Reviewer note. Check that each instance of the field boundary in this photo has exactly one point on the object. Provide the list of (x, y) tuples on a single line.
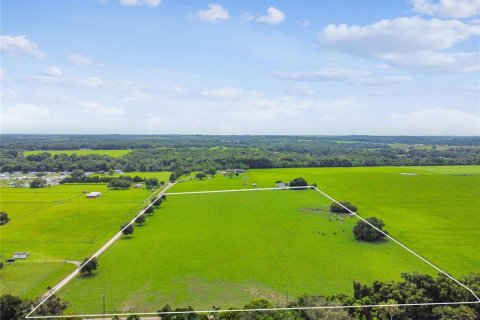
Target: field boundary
[(117, 236), (352, 213)]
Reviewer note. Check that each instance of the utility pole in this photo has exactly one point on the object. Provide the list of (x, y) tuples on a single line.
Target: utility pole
[(103, 298)]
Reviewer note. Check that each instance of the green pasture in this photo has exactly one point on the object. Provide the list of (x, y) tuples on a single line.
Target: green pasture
[(224, 249), (112, 153), (55, 224), (433, 210)]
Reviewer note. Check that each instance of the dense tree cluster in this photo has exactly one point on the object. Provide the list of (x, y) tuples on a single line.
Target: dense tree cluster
[(342, 207), (119, 183), (183, 154), (365, 231), (13, 307), (298, 182), (38, 183)]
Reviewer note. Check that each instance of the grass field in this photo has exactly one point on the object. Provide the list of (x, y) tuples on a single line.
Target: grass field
[(54, 224), (224, 249), (436, 211), (112, 153)]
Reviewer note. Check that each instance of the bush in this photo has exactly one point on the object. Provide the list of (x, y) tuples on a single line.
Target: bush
[(336, 208), (364, 231), (4, 218), (38, 183), (298, 182), (127, 229)]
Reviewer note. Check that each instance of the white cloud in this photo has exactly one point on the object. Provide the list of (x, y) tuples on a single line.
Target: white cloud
[(88, 82), (23, 117), (52, 71), (400, 35), (436, 121), (98, 108), (274, 16), (20, 45), (352, 76), (228, 93), (448, 8), (79, 60), (410, 42), (298, 90), (322, 75), (147, 3), (215, 12)]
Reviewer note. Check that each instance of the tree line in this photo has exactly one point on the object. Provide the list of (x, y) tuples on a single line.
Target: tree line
[(412, 288)]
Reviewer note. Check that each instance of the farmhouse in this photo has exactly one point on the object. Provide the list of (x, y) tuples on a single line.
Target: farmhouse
[(20, 255), (138, 185), (93, 194)]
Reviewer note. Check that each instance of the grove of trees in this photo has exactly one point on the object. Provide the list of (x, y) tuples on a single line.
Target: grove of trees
[(298, 182), (119, 183), (365, 231), (38, 183), (340, 208)]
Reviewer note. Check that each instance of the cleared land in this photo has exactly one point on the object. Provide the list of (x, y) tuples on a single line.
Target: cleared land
[(112, 153), (224, 249), (435, 211), (54, 224)]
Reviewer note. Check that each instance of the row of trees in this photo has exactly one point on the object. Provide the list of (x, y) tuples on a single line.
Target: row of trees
[(90, 264), (413, 288)]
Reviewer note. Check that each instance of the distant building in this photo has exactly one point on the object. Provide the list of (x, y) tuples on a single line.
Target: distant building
[(138, 185), (93, 194), (20, 255)]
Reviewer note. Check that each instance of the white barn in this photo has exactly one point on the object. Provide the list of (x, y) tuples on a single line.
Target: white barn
[(93, 194), (20, 255)]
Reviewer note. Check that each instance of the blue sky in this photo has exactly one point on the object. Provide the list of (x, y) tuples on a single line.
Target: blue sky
[(407, 67)]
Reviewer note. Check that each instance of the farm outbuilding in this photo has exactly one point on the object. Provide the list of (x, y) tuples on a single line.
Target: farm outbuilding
[(93, 194), (20, 255)]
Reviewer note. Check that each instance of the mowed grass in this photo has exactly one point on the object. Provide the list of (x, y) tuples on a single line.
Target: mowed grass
[(112, 153), (435, 211), (224, 249), (54, 224)]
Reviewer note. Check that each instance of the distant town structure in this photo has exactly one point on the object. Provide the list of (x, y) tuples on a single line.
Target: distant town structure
[(138, 185), (93, 194), (20, 255)]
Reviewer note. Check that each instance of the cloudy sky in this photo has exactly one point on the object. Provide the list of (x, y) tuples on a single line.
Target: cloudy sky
[(407, 67)]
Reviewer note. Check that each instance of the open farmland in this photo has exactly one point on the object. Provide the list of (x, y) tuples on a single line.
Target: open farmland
[(54, 224), (225, 248), (112, 153), (433, 210)]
